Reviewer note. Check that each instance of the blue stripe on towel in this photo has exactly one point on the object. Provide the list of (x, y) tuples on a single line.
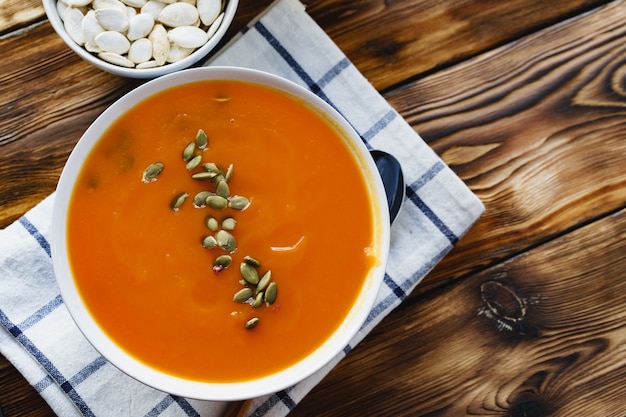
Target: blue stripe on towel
[(44, 383), (167, 401), (160, 407), (432, 216), (185, 406), (30, 228), (49, 367), (281, 396), (428, 175), (333, 72), (380, 125), (289, 59), (40, 314)]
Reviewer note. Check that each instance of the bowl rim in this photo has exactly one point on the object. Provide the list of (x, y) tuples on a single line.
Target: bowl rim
[(221, 391), (199, 54)]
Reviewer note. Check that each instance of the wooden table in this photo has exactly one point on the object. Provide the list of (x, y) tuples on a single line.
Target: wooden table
[(525, 100)]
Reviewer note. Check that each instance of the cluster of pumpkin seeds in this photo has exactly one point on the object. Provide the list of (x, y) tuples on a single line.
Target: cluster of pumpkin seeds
[(256, 290)]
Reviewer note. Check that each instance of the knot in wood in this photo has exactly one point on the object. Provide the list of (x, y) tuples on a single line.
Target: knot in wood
[(502, 301)]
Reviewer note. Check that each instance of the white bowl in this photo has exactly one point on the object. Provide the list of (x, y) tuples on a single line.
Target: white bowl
[(57, 24), (201, 390)]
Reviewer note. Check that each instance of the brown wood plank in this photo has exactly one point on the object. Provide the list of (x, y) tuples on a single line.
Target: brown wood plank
[(17, 397), (393, 41), (554, 113), (18, 13), (542, 334), (536, 129)]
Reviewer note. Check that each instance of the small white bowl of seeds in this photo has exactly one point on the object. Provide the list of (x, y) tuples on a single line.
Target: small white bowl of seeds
[(141, 38)]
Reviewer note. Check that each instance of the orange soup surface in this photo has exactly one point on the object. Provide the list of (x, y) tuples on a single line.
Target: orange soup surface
[(140, 265)]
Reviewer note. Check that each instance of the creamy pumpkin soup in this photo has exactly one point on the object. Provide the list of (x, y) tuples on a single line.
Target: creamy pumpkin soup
[(220, 231)]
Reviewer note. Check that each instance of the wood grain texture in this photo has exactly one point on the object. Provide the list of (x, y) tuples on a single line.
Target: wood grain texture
[(15, 14), (17, 397), (525, 100), (393, 41), (550, 342), (536, 129)]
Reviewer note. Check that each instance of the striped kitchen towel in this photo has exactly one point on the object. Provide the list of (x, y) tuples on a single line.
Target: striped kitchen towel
[(37, 334)]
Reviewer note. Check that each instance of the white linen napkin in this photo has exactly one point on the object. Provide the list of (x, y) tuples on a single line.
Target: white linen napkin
[(39, 337)]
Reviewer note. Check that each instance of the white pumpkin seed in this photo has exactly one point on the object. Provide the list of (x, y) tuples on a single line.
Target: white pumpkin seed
[(188, 36), (91, 27), (77, 3), (160, 44), (108, 4), (61, 8), (112, 19), (92, 47), (130, 12), (209, 10), (116, 59), (153, 8), (178, 14), (140, 51), (148, 64), (112, 41), (177, 53), (74, 25), (140, 26), (215, 26), (135, 3)]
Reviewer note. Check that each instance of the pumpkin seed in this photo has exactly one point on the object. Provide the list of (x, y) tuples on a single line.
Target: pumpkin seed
[(194, 162), (249, 273), (239, 203), (209, 242), (258, 301), (250, 260), (178, 201), (216, 202), (229, 223), (264, 281), (152, 171), (223, 261), (203, 176), (199, 199), (188, 151), (219, 177), (270, 293), (226, 241), (251, 323), (229, 173), (242, 295), (212, 167), (223, 190), (211, 223), (202, 139)]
